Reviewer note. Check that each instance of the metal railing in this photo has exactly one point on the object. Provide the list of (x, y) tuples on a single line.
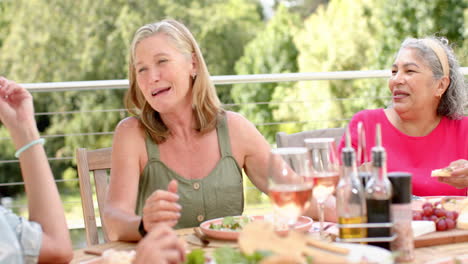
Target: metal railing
[(218, 80)]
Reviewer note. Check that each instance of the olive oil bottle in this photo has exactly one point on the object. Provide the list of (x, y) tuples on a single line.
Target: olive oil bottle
[(350, 198)]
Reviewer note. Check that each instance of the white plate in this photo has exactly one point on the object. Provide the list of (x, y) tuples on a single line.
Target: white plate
[(359, 252), (373, 254), (303, 224)]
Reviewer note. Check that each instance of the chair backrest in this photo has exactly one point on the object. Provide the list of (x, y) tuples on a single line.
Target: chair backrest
[(99, 163), (297, 139)]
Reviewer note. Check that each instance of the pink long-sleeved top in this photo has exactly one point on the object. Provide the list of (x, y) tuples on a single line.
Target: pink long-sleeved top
[(418, 155)]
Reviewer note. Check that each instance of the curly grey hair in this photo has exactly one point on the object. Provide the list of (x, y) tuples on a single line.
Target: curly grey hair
[(454, 100)]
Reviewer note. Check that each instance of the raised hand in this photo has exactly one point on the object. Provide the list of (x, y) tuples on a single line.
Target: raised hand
[(162, 207), (17, 112)]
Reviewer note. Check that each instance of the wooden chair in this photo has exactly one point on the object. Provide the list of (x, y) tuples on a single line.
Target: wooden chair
[(297, 139), (98, 162)]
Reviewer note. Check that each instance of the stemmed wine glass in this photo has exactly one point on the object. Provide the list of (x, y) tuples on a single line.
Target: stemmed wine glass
[(324, 171), (289, 184)]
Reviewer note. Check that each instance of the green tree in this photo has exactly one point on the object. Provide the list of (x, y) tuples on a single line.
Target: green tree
[(303, 7), (53, 40), (335, 38), (272, 51), (391, 22), (5, 18)]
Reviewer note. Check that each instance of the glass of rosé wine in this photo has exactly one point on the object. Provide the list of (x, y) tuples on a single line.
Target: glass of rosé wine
[(289, 185), (324, 171)]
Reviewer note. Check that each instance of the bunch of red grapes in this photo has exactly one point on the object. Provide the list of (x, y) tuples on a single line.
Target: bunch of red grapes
[(444, 219)]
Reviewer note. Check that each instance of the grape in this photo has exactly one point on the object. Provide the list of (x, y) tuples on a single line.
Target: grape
[(427, 204), (450, 223), (455, 215), (441, 225), (427, 211), (450, 215), (417, 215), (439, 212), (444, 219)]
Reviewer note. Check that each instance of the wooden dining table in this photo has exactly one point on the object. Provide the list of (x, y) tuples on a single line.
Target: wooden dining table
[(423, 253)]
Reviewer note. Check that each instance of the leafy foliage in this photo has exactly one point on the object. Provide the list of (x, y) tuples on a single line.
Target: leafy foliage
[(335, 38), (272, 51), (54, 40)]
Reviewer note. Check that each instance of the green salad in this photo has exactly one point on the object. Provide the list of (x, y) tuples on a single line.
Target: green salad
[(232, 223), (227, 255)]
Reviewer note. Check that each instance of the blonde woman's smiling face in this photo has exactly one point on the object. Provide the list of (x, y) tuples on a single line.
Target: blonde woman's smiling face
[(163, 73), (412, 84)]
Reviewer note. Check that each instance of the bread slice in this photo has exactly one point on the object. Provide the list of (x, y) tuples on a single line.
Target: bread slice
[(445, 172)]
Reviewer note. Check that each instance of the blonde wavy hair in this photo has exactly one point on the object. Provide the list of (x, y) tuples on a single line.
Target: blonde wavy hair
[(205, 102)]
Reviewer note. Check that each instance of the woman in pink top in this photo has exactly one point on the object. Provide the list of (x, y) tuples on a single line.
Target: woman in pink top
[(425, 128)]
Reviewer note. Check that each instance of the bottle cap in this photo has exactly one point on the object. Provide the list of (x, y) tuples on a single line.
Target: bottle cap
[(379, 155), (401, 183), (347, 153)]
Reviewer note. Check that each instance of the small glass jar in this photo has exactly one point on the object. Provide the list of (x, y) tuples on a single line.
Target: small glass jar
[(403, 244)]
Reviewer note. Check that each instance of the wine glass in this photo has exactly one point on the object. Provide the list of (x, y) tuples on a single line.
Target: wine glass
[(289, 184), (324, 171)]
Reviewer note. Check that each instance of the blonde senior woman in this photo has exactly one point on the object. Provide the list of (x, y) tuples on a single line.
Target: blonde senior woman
[(178, 160)]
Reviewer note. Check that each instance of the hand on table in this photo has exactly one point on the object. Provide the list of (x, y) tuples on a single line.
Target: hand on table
[(459, 176), (162, 207), (161, 245)]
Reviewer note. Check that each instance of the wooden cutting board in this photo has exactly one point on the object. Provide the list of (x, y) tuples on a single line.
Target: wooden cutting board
[(441, 238)]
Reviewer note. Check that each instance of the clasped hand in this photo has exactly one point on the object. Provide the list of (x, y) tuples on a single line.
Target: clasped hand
[(161, 207)]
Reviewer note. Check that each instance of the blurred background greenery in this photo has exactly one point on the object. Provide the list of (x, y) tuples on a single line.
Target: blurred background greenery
[(58, 41)]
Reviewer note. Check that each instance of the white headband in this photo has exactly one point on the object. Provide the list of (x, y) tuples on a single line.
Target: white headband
[(440, 53)]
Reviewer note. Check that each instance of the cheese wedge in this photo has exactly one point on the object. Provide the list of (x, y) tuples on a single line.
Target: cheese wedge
[(445, 172), (462, 221), (422, 227)]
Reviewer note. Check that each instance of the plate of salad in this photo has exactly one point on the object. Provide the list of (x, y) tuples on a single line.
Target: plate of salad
[(229, 228)]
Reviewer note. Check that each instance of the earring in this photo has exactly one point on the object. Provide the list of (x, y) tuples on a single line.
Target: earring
[(194, 75)]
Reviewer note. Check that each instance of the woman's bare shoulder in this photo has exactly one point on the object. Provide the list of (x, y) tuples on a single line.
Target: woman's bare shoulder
[(241, 129), (127, 122), (130, 125), (236, 120)]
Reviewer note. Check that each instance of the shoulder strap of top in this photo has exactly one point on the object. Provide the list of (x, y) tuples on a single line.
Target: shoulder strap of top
[(151, 148), (223, 136)]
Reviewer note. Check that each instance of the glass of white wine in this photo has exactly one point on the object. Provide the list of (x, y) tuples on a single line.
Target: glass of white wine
[(324, 171), (289, 185)]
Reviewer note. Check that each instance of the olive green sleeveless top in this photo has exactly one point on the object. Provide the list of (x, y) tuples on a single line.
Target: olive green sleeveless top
[(218, 194)]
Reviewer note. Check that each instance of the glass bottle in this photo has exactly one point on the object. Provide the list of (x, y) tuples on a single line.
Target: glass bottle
[(402, 214), (379, 194), (350, 198)]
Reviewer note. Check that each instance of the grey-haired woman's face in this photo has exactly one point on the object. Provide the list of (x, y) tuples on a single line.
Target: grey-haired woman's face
[(412, 84)]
